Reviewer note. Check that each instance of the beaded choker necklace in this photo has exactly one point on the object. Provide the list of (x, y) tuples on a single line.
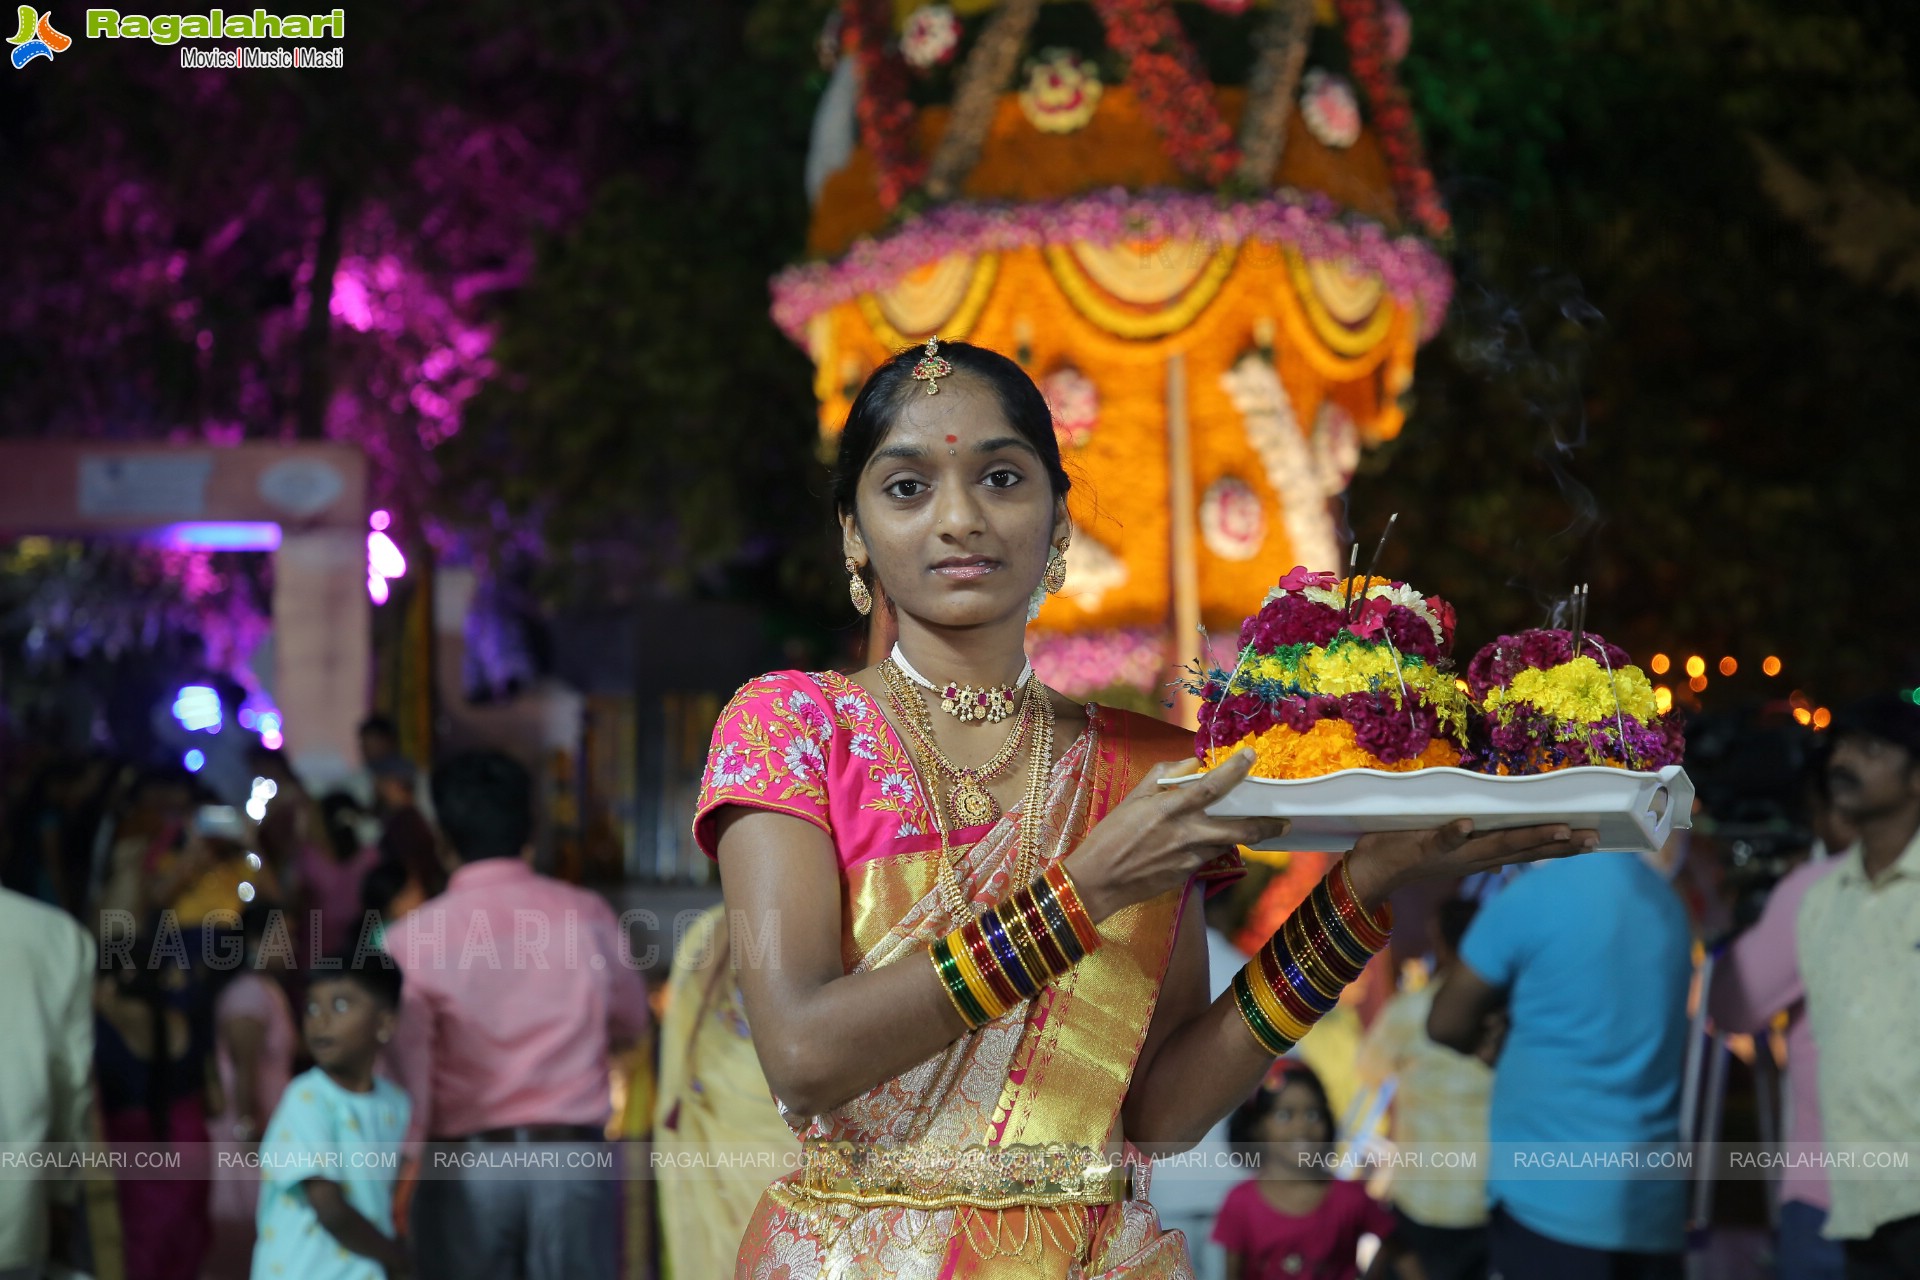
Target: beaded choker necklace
[(991, 703)]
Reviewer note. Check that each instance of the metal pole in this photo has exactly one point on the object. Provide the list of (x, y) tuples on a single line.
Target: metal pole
[(1183, 515)]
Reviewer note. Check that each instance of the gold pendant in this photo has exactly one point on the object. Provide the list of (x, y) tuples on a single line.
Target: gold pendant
[(966, 703), (973, 804)]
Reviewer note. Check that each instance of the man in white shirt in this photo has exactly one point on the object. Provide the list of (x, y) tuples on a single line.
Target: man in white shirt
[(46, 1011)]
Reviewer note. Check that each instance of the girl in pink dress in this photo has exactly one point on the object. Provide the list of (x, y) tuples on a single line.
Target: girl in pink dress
[(1294, 1220)]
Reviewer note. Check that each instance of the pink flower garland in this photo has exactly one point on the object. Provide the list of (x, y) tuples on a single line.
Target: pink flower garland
[(1174, 92), (1080, 663), (1368, 41), (1314, 224)]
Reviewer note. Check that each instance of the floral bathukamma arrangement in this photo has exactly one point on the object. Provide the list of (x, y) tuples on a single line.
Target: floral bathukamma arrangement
[(1336, 674), (1541, 707)]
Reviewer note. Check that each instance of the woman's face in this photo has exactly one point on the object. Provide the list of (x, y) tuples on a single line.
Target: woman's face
[(955, 513)]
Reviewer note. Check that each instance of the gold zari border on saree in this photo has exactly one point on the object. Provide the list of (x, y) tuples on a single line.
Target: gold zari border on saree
[(980, 1177)]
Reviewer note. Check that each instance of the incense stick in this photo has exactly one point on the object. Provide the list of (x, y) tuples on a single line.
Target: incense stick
[(1366, 583), (1353, 562)]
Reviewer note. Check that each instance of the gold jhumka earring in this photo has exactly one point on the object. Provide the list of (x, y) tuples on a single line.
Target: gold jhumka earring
[(857, 589)]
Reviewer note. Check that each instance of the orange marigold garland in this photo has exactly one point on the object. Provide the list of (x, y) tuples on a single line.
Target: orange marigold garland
[(1173, 91)]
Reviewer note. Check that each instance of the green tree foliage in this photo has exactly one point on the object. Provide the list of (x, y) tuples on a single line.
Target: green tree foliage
[(1653, 379)]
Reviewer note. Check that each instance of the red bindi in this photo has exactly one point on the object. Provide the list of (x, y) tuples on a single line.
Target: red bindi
[(953, 439)]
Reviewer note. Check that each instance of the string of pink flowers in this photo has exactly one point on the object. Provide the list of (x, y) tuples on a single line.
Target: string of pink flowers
[(1312, 224)]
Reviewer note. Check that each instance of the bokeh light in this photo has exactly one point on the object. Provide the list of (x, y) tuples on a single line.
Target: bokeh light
[(1728, 665), (1696, 666), (1659, 664), (1771, 666)]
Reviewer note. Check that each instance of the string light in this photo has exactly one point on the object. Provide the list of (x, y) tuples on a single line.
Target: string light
[(1822, 718), (1771, 666), (1728, 666), (1802, 715), (1696, 666), (1659, 664), (1662, 699), (1698, 684)]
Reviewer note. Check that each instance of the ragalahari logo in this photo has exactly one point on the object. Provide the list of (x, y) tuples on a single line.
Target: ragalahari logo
[(37, 38)]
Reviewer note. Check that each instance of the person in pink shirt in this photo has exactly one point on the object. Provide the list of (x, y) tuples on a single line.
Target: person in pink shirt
[(1755, 979), (518, 989)]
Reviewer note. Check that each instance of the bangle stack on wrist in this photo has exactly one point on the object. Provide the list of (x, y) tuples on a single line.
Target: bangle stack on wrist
[(1298, 976), (1007, 954)]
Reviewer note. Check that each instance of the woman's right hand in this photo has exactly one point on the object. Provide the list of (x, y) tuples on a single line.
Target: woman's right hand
[(1156, 838)]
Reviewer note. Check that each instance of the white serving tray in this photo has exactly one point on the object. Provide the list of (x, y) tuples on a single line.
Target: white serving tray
[(1633, 812)]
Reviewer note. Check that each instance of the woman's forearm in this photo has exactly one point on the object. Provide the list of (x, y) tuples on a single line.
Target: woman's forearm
[(1206, 1068), (826, 1044)]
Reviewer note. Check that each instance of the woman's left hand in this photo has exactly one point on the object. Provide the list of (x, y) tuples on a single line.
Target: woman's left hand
[(1384, 861)]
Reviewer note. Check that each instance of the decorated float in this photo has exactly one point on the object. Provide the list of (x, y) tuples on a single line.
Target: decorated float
[(1205, 229)]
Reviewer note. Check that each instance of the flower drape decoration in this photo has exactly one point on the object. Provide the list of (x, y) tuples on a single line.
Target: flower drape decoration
[(1399, 31), (1329, 109), (1367, 47), (930, 37), (1062, 91), (1082, 663), (1174, 92), (1298, 475), (1075, 402), (1410, 269), (886, 113), (1231, 520)]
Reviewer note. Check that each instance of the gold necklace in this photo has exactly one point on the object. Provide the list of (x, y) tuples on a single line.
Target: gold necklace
[(1039, 766), (973, 805)]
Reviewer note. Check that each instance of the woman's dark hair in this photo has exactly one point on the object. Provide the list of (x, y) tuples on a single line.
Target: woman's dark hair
[(889, 387), (1243, 1126)]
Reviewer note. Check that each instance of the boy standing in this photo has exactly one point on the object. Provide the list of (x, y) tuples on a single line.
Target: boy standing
[(332, 1150)]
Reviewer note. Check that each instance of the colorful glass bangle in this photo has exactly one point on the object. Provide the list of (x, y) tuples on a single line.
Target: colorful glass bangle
[(1056, 917), (1008, 955), (977, 983), (1289, 1000), (1033, 919), (948, 969), (1373, 931), (1264, 1033), (1069, 898), (1284, 996), (980, 951), (1013, 918), (1327, 920), (1325, 954), (1289, 1019), (1284, 971), (1317, 955)]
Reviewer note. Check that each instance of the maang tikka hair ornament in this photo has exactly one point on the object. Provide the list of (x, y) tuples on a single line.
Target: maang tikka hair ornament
[(932, 366)]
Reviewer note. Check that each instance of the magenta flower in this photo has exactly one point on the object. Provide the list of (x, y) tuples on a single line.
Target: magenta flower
[(1299, 578)]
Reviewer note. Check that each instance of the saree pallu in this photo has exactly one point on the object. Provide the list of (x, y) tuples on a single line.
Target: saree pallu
[(1002, 1154)]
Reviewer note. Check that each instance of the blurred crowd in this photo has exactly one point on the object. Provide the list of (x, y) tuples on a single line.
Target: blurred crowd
[(1564, 1005)]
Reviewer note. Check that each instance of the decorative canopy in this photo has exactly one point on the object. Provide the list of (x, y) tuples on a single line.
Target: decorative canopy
[(1205, 230)]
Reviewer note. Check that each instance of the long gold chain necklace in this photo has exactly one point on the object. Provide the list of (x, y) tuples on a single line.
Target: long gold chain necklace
[(919, 723), (973, 805)]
